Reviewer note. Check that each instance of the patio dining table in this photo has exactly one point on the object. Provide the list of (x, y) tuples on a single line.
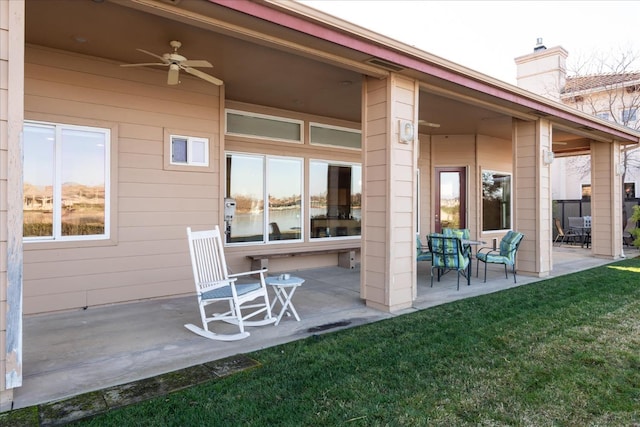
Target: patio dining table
[(469, 243)]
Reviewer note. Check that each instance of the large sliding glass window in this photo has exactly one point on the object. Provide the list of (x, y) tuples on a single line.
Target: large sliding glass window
[(335, 199), (66, 177), (496, 201), (255, 180)]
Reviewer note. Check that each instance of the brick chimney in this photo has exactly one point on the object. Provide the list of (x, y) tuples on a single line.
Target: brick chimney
[(544, 71)]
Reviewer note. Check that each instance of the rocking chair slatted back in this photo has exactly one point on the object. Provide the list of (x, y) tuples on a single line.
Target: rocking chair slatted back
[(209, 264)]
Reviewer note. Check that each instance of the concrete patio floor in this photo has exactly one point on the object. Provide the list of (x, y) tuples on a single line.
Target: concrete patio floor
[(71, 353)]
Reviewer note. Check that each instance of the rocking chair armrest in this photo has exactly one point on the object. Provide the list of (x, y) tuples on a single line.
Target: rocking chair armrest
[(207, 286), (229, 281), (248, 273)]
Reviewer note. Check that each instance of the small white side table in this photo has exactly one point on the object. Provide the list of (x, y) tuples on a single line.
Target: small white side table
[(284, 289)]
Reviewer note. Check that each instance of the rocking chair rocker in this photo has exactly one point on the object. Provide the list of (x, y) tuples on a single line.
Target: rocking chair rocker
[(215, 285)]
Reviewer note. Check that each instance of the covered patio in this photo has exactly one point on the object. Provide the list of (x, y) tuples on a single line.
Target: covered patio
[(71, 353), (293, 98)]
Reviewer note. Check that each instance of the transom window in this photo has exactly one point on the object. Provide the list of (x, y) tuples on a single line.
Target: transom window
[(496, 201), (263, 126), (334, 136), (66, 182), (256, 181)]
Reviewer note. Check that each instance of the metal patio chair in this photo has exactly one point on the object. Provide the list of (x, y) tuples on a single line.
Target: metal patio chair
[(448, 254), (505, 255), (215, 285), (564, 236)]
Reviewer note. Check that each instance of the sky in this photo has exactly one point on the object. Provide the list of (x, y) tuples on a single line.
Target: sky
[(488, 35)]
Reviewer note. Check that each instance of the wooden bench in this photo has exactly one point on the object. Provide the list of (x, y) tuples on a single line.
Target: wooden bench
[(346, 256)]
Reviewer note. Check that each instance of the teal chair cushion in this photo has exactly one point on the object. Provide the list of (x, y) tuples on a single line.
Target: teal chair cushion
[(447, 252), (508, 247), (461, 233)]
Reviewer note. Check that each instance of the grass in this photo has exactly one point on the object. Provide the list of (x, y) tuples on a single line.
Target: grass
[(560, 352)]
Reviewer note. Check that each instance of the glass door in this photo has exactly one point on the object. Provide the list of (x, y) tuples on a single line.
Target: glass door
[(450, 204)]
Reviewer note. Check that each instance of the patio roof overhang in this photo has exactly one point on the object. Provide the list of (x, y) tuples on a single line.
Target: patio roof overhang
[(289, 56)]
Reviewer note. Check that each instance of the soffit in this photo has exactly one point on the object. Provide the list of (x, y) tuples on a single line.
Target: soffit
[(260, 62)]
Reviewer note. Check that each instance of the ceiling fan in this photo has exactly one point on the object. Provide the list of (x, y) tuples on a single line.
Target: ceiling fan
[(177, 62)]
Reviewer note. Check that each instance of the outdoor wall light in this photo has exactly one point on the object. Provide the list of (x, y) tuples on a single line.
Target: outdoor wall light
[(405, 131), (547, 157)]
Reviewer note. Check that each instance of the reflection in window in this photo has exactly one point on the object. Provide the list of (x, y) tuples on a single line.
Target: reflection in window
[(450, 200), (586, 192), (496, 201), (629, 190), (246, 178), (629, 115), (65, 175), (335, 199)]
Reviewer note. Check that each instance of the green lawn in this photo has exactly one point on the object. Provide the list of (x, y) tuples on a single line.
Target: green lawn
[(561, 352)]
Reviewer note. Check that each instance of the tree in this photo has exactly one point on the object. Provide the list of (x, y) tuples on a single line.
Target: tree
[(607, 86)]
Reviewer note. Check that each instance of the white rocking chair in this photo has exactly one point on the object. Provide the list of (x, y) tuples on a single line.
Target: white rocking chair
[(214, 285)]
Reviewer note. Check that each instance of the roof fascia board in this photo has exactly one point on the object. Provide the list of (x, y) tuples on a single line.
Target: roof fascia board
[(306, 20)]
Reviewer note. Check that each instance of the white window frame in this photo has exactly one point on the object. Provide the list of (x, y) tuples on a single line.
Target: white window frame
[(510, 227), (300, 123), (331, 163), (265, 192), (191, 142), (57, 185)]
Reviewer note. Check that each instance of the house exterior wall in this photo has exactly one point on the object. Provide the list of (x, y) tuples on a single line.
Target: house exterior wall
[(147, 254), (11, 113), (544, 72), (493, 154), (388, 273), (457, 151), (566, 172)]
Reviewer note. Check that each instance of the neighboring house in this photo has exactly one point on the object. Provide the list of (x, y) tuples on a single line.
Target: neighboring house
[(325, 134), (608, 96)]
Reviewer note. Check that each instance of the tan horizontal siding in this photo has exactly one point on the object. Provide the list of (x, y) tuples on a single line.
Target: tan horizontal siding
[(148, 254), (125, 279)]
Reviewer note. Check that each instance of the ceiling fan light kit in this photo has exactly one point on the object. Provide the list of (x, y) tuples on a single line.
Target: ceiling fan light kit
[(176, 62)]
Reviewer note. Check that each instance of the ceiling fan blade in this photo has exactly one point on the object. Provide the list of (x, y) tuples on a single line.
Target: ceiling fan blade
[(196, 63), (174, 72), (153, 54), (203, 76), (143, 65)]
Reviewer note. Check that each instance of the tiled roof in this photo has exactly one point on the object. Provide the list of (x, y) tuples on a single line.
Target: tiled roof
[(593, 81)]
